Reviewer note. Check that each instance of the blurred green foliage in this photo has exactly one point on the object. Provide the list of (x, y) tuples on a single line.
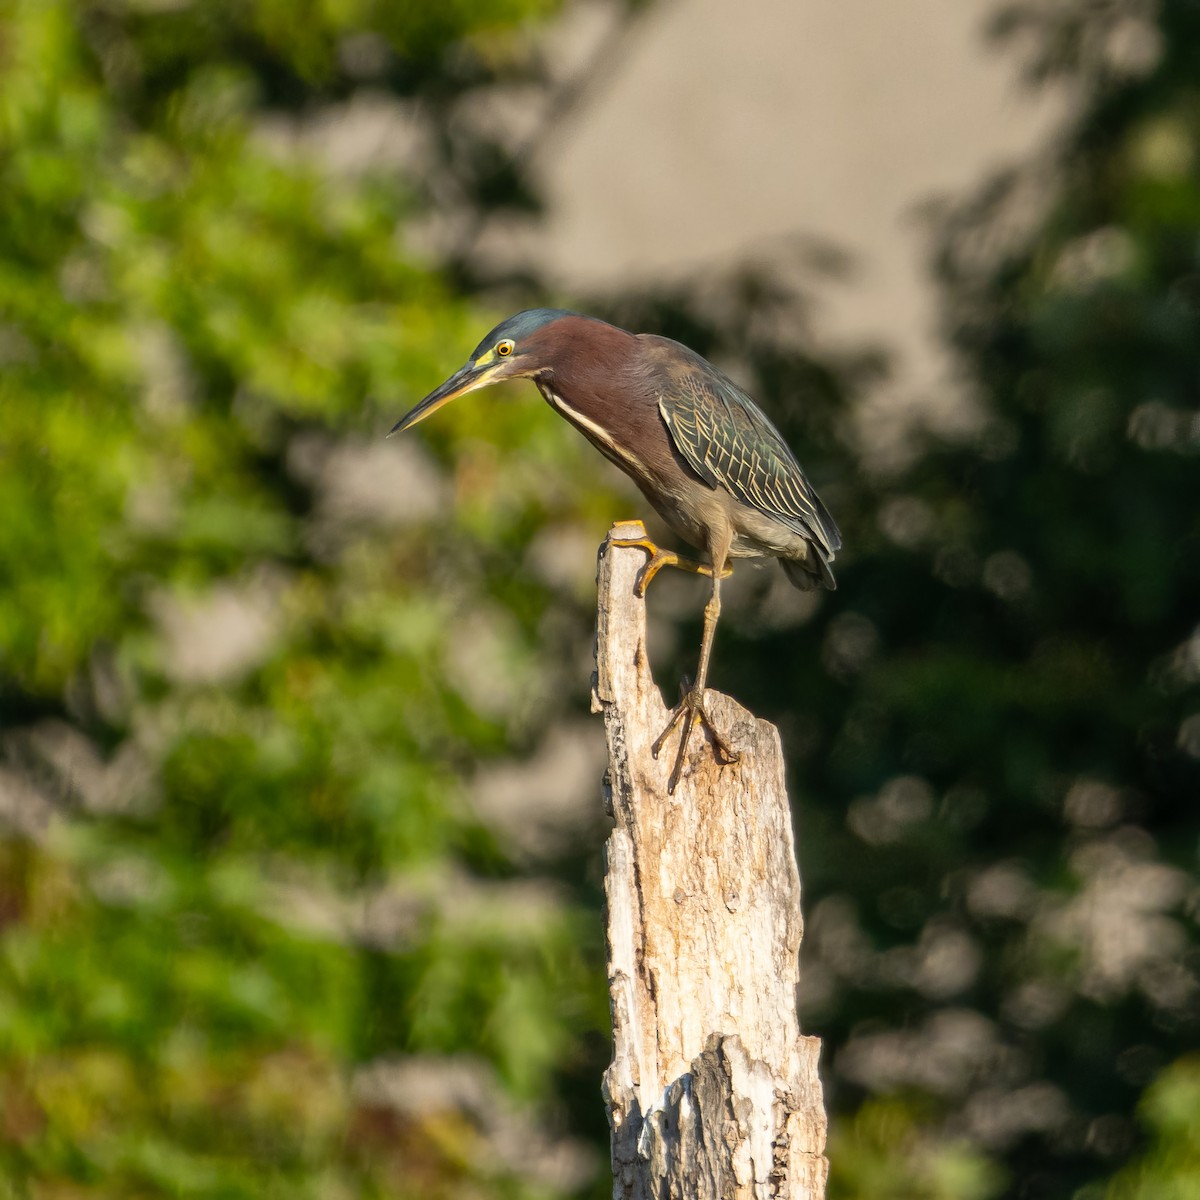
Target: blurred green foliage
[(259, 935), (993, 726), (1008, 920), (885, 1150), (1170, 1167), (184, 304)]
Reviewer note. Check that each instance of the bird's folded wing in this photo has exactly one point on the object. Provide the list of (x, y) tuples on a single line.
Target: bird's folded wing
[(731, 443)]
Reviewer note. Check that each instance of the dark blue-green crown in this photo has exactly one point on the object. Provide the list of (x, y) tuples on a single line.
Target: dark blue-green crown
[(520, 326)]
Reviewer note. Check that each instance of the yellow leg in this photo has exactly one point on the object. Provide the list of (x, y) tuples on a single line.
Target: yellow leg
[(690, 708), (660, 558)]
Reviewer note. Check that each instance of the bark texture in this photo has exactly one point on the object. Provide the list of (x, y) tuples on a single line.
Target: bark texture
[(712, 1091)]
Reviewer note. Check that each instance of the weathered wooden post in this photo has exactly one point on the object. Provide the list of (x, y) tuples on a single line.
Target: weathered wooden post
[(712, 1091)]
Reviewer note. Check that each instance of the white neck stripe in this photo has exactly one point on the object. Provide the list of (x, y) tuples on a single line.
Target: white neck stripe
[(598, 432)]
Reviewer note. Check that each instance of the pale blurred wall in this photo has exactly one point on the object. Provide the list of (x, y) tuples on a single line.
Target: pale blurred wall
[(720, 127)]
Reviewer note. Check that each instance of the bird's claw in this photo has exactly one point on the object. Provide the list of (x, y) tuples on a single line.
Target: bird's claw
[(690, 710), (660, 558)]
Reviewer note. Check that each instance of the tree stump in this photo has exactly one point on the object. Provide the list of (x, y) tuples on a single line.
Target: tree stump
[(712, 1091)]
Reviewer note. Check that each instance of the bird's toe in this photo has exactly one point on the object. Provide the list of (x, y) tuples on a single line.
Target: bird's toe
[(691, 712)]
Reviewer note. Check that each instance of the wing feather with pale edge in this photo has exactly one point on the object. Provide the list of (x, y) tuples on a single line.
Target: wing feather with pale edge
[(731, 443)]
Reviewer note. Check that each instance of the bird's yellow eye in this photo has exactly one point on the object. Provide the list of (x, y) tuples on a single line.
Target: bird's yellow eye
[(504, 348)]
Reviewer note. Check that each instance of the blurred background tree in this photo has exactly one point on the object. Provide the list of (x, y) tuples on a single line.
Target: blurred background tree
[(255, 940), (298, 891)]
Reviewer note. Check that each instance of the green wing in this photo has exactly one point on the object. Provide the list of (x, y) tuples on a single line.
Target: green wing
[(730, 442)]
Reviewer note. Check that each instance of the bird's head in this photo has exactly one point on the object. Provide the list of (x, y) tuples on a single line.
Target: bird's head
[(515, 349)]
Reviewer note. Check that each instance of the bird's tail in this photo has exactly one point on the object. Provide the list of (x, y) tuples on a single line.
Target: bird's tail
[(811, 572)]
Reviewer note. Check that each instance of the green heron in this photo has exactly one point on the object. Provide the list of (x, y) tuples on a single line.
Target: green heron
[(699, 449)]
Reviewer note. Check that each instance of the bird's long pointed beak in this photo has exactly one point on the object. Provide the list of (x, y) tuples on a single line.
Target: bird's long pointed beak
[(467, 379)]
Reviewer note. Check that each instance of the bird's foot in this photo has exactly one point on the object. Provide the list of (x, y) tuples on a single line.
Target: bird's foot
[(690, 710), (660, 558)]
